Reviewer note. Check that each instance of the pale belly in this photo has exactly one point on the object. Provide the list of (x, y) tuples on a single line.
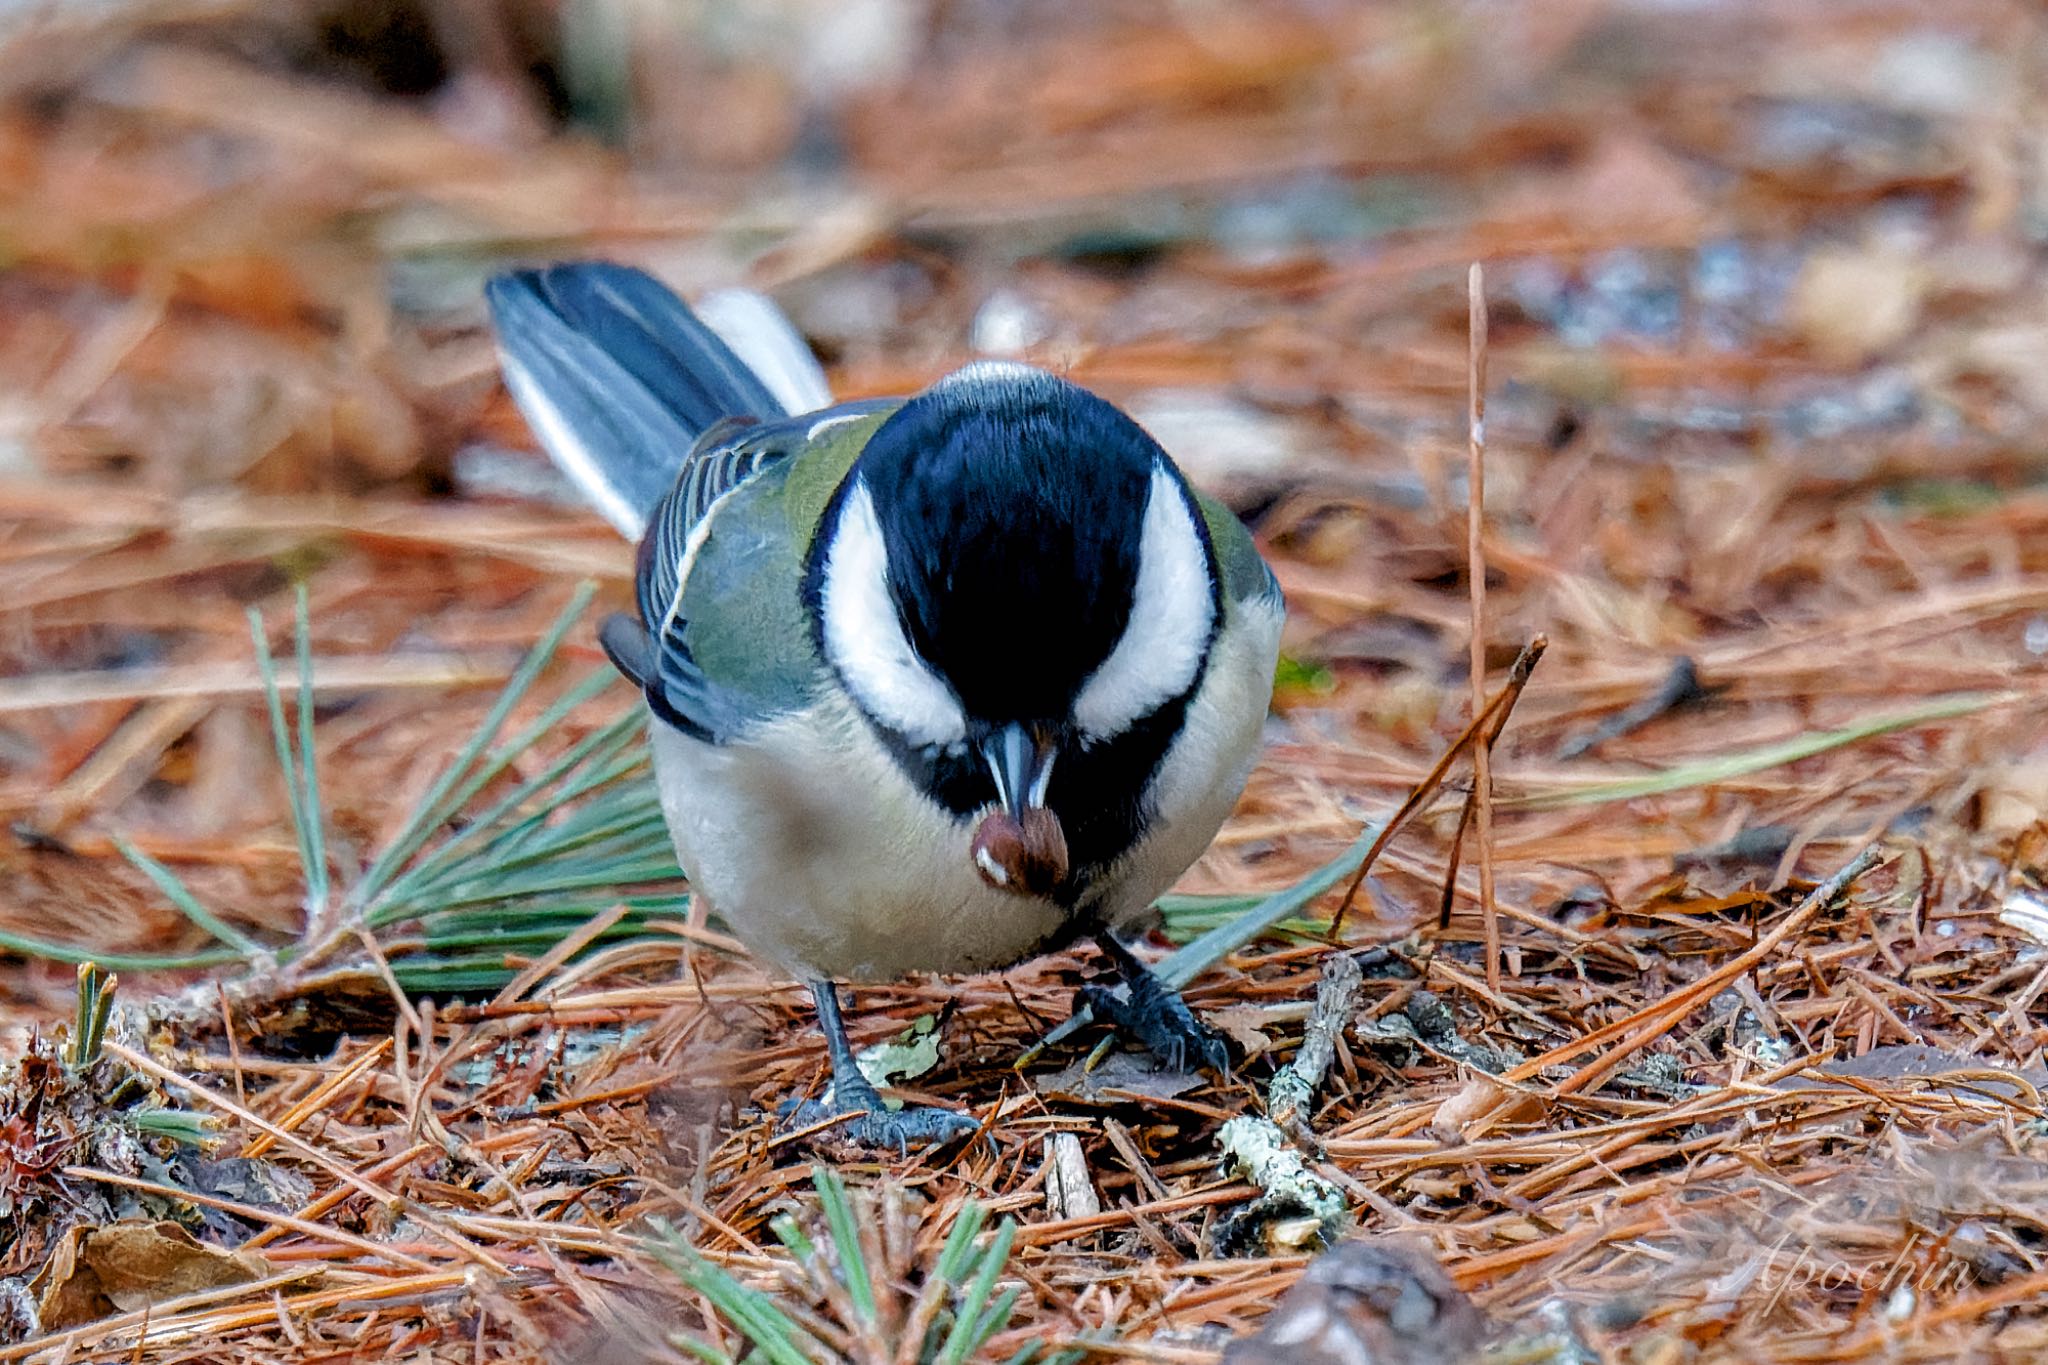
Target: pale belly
[(856, 876)]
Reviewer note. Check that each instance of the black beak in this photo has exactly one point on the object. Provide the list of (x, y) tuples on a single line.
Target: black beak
[(1019, 847), (1021, 758)]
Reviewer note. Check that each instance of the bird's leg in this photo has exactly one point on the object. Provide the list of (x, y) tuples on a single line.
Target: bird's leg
[(1153, 1013), (852, 1092)]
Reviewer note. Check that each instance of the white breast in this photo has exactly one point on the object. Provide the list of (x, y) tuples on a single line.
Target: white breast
[(811, 845), (1205, 770), (821, 856)]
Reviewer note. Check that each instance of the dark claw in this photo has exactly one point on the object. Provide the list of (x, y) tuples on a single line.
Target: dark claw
[(899, 1128), (1158, 1018), (877, 1124), (881, 1126), (1154, 1014)]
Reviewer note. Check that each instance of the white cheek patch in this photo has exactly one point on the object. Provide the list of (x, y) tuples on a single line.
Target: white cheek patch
[(865, 639), (1172, 610)]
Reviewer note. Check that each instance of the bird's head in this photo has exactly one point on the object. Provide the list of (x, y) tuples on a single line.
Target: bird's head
[(1017, 589)]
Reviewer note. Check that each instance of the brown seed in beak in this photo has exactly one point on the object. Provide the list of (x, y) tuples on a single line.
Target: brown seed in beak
[(1027, 857)]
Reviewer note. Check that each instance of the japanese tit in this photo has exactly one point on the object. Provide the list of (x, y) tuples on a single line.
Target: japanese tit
[(938, 684)]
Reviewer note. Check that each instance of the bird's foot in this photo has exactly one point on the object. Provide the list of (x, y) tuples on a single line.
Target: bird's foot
[(1154, 1014), (867, 1122)]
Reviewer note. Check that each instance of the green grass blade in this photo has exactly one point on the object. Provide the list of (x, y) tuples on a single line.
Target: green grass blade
[(435, 807), (313, 831), (178, 894), (1725, 767)]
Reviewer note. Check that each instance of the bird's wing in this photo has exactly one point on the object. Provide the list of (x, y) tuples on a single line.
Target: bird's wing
[(662, 417), (724, 458), (720, 574), (1246, 576)]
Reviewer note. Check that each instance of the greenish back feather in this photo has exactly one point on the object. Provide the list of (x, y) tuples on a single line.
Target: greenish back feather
[(743, 609), (816, 475), (1246, 576)]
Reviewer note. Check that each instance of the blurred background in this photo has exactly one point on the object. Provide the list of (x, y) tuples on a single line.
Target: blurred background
[(1770, 356), (1769, 367)]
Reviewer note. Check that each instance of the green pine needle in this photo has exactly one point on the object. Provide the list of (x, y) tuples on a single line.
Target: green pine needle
[(752, 1312), (845, 1239), (49, 950), (305, 821), (971, 1327), (469, 889), (791, 1234), (1719, 768), (190, 906), (699, 1350), (313, 830), (182, 1126), (89, 1022), (956, 1260), (962, 1279), (443, 801)]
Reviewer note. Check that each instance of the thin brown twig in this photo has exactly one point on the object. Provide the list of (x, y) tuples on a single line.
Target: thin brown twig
[(1814, 590), (319, 1231), (1640, 1028), (317, 1097), (1475, 573), (339, 1170), (1503, 702)]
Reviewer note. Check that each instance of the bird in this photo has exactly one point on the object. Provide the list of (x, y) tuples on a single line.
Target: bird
[(936, 684)]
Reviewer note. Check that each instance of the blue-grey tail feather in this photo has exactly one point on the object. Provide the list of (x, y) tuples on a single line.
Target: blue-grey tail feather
[(763, 336), (618, 378)]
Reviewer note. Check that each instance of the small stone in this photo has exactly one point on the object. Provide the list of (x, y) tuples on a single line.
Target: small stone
[(1385, 1300), (1008, 324)]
